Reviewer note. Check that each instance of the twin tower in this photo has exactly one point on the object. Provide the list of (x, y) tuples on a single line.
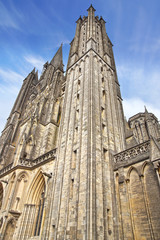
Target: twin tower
[(71, 166)]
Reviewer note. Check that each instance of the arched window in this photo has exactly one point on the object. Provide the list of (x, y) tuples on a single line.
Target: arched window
[(38, 221), (19, 193)]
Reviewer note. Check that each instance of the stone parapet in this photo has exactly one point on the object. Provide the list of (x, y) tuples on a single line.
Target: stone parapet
[(31, 164), (132, 155)]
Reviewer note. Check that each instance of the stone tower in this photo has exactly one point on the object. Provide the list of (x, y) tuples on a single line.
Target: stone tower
[(71, 166)]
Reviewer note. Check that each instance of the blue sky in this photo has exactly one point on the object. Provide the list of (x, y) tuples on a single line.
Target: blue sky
[(31, 32)]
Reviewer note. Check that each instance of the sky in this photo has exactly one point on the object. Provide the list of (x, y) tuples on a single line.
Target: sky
[(31, 32)]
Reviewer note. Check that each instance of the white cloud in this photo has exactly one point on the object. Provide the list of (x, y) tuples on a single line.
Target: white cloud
[(10, 76), (140, 81), (7, 19), (140, 87), (35, 61), (133, 106), (10, 83)]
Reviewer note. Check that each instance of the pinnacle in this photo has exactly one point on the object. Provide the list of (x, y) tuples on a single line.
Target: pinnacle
[(79, 19), (146, 111), (91, 7), (57, 60), (147, 116), (36, 76), (33, 71)]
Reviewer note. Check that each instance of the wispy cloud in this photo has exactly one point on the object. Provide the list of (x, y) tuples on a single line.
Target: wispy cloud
[(10, 83), (35, 61), (10, 76), (8, 17)]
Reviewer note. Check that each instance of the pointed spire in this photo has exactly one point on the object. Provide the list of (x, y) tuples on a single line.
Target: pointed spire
[(102, 20), (79, 19), (36, 76), (57, 60), (33, 71), (146, 113), (91, 8)]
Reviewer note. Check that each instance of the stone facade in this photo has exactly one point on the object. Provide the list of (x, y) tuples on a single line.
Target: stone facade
[(71, 166)]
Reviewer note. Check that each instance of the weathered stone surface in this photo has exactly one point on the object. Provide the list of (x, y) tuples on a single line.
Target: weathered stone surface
[(71, 166)]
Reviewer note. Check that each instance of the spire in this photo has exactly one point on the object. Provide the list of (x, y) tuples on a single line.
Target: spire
[(36, 76), (79, 19), (146, 113), (57, 60), (33, 71), (91, 8)]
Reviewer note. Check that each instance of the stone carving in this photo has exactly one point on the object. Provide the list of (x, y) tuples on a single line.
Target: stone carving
[(132, 152)]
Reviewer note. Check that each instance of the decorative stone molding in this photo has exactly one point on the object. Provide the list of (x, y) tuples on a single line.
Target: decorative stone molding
[(6, 169), (30, 163), (131, 153)]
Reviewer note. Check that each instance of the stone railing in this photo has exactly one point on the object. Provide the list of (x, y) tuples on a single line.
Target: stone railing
[(30, 163), (6, 169), (43, 158), (132, 152)]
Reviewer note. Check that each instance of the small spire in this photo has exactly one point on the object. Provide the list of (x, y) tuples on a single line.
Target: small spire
[(36, 76), (147, 116), (57, 60), (146, 111), (102, 20), (91, 7), (79, 19), (33, 71)]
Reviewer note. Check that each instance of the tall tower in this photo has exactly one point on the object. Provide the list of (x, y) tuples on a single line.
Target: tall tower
[(71, 166), (91, 131)]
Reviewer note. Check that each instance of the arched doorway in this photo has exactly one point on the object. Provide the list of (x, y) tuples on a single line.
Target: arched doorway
[(32, 216)]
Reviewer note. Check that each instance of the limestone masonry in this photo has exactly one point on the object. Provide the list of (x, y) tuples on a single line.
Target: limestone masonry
[(71, 166)]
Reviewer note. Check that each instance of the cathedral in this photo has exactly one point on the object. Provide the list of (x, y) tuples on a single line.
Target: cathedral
[(71, 166)]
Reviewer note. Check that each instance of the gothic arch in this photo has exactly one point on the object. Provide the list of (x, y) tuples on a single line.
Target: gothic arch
[(44, 110), (33, 209), (28, 147), (138, 205), (20, 191), (34, 187), (36, 197), (143, 167), (76, 71), (86, 57), (152, 195), (130, 170), (81, 62), (9, 230), (9, 189), (110, 72)]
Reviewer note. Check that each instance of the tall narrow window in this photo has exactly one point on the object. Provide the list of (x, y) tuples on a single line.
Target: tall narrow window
[(102, 81), (71, 188), (103, 113), (74, 157), (1, 195), (39, 215), (103, 96)]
